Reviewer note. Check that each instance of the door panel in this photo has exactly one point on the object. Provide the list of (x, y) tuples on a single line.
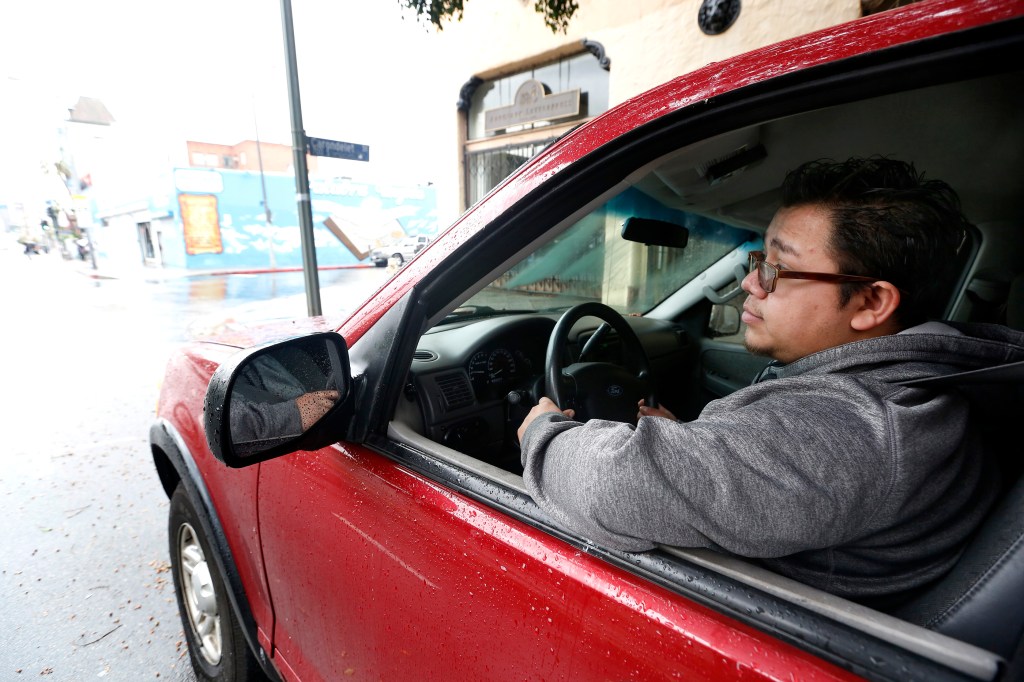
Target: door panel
[(379, 573)]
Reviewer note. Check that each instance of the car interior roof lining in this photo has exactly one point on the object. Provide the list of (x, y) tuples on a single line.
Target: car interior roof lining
[(890, 125)]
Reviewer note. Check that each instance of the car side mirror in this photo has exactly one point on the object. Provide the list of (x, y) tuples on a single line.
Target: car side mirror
[(724, 320), (279, 398)]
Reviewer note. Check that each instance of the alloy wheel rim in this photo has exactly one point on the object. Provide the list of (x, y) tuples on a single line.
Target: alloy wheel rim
[(199, 594)]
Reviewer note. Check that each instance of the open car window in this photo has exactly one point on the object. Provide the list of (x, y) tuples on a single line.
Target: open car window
[(723, 189)]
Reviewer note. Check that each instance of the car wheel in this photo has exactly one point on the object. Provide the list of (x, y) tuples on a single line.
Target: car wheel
[(216, 644), (398, 256)]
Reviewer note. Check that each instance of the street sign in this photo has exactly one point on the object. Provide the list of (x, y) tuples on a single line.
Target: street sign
[(338, 150)]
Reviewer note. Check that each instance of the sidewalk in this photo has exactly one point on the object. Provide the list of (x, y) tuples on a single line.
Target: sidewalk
[(13, 252)]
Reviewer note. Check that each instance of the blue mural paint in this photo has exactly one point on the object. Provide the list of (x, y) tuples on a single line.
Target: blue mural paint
[(368, 214)]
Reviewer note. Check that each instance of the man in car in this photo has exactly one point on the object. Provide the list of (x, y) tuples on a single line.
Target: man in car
[(826, 468)]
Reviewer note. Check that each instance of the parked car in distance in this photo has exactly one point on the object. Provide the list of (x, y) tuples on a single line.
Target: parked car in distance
[(384, 530), (403, 250)]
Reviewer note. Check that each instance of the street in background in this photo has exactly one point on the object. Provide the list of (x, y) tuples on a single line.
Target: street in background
[(85, 574)]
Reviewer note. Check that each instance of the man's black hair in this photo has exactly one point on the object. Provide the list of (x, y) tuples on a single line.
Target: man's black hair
[(888, 222)]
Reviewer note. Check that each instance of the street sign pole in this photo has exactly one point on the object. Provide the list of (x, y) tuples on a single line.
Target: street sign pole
[(309, 267)]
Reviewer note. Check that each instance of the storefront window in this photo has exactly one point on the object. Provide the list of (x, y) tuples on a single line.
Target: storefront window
[(512, 118), (485, 169)]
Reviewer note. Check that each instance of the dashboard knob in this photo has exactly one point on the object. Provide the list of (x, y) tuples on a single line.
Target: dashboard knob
[(516, 397)]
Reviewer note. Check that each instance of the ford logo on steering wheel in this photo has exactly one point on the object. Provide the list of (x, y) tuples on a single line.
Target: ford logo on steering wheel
[(614, 390)]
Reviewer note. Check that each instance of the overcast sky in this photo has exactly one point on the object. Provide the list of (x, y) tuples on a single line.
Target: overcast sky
[(202, 69)]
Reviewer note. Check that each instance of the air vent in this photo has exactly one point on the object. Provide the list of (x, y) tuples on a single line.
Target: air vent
[(455, 390), (424, 355)]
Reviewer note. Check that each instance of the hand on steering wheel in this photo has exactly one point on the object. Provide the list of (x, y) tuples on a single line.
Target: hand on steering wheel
[(598, 390)]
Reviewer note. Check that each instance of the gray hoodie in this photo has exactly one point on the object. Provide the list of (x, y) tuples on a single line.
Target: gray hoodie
[(826, 469)]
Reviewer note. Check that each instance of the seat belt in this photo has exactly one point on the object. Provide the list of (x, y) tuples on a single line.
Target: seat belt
[(1009, 373)]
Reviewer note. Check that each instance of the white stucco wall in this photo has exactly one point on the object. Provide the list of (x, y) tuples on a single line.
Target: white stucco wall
[(648, 41)]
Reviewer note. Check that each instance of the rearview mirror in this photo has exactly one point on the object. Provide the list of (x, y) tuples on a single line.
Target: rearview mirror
[(655, 232), (278, 398)]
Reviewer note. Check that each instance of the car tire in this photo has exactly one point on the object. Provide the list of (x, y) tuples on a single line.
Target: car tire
[(398, 256), (215, 640)]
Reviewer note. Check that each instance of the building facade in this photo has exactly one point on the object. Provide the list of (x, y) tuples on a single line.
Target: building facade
[(230, 220), (247, 155), (523, 86)]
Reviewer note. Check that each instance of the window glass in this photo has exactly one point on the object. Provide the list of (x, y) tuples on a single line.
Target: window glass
[(592, 262)]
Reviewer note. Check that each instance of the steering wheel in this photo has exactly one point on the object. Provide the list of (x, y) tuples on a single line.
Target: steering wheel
[(598, 389)]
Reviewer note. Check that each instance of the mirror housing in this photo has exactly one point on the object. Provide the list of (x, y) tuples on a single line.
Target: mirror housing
[(278, 398), (724, 320), (655, 232)]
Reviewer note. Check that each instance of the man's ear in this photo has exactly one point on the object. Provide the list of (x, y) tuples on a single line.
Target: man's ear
[(875, 306)]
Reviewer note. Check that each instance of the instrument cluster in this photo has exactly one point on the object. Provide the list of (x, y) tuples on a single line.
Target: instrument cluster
[(494, 371)]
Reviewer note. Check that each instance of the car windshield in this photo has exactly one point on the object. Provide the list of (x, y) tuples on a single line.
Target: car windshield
[(591, 261)]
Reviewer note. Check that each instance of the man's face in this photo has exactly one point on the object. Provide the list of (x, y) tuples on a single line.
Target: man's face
[(801, 316)]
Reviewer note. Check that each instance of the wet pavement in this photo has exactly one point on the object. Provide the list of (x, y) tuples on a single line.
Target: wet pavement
[(85, 576)]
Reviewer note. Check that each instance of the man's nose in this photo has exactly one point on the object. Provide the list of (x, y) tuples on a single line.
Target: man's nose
[(752, 286)]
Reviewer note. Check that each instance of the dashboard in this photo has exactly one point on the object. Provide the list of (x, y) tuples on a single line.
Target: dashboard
[(473, 381), (496, 369), (464, 373)]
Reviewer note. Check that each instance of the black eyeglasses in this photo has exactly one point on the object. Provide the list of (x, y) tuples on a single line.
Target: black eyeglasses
[(768, 275)]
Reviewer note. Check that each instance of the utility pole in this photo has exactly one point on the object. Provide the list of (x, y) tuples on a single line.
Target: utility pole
[(309, 267), (263, 186)]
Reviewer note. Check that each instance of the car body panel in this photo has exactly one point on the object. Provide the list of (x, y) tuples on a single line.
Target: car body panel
[(255, 335), (231, 493), (408, 561), (176, 466)]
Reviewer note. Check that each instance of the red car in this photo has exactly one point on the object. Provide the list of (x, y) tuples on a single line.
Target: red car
[(390, 536)]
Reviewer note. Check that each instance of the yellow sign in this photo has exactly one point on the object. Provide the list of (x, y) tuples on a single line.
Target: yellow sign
[(201, 223)]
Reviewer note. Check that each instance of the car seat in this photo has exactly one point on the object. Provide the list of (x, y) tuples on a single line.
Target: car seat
[(980, 600), (1015, 303)]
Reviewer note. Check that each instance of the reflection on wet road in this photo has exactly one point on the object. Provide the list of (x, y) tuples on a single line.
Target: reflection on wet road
[(263, 287), (217, 301)]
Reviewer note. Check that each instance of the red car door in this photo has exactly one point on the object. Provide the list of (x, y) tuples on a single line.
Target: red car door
[(379, 573)]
